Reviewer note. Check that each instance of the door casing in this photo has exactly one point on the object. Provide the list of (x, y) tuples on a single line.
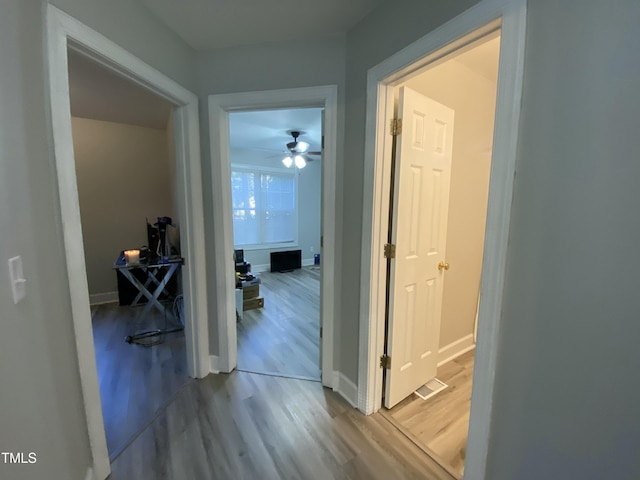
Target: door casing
[(219, 108), (487, 16)]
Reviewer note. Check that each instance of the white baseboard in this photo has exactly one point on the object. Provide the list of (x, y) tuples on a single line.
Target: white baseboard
[(455, 349), (214, 364), (307, 262), (99, 298), (346, 388)]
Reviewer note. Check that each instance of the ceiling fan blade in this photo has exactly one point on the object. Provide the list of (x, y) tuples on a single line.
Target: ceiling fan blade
[(313, 153)]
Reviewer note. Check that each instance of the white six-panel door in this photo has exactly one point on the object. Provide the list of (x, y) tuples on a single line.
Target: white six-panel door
[(421, 201)]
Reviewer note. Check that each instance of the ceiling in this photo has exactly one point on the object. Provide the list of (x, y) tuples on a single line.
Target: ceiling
[(214, 24), (100, 94), (483, 59), (268, 130)]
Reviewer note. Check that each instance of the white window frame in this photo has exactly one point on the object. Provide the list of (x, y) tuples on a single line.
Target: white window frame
[(276, 171)]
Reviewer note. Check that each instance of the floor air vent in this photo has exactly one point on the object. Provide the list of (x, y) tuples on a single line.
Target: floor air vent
[(430, 388)]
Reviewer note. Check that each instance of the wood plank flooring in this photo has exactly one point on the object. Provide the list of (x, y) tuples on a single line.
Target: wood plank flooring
[(135, 381), (439, 425), (251, 426), (283, 337)]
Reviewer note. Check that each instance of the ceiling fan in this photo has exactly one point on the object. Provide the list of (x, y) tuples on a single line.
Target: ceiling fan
[(298, 152)]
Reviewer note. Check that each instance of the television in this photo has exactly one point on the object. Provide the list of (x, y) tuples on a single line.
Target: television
[(286, 261)]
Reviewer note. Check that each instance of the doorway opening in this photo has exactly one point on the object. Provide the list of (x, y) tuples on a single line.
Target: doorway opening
[(63, 33), (124, 152), (451, 161), (275, 159), (221, 107), (466, 30)]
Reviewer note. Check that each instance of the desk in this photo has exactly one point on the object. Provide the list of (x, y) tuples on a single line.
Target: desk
[(154, 281)]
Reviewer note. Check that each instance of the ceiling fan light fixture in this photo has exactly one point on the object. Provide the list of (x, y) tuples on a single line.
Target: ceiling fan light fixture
[(299, 160), (302, 147), (287, 161)]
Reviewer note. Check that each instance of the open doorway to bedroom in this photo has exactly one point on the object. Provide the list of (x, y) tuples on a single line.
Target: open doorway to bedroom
[(275, 161), (124, 155)]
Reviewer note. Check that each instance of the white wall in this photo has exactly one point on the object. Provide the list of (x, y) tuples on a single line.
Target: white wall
[(473, 98), (309, 207), (267, 67), (41, 408), (310, 218), (123, 174), (173, 174)]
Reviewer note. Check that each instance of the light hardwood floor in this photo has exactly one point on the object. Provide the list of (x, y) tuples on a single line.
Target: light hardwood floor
[(251, 426), (135, 381), (439, 424), (283, 337)]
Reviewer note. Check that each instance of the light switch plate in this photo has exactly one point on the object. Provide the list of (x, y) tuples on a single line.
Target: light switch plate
[(18, 282)]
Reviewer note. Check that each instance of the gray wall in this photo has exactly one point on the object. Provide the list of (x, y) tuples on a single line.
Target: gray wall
[(567, 390), (41, 408), (566, 387), (123, 177), (567, 384), (268, 67), (129, 24)]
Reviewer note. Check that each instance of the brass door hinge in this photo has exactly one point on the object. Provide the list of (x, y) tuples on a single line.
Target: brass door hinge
[(389, 250), (320, 332), (385, 361), (396, 126), (321, 241)]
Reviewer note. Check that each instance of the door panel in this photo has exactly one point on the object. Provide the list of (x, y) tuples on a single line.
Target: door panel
[(419, 231)]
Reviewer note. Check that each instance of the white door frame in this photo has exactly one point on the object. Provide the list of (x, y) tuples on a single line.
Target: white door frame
[(486, 16), (64, 31), (219, 108)]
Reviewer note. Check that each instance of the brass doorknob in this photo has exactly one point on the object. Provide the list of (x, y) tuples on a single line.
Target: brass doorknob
[(443, 266)]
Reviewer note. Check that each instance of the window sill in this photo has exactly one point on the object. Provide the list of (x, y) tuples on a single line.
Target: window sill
[(274, 246)]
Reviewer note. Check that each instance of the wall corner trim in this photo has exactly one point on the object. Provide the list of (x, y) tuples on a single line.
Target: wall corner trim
[(345, 388), (214, 364)]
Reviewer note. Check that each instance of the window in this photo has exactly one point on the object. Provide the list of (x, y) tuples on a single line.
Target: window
[(264, 207)]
